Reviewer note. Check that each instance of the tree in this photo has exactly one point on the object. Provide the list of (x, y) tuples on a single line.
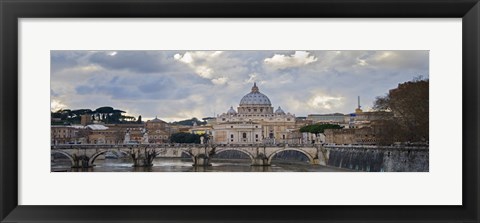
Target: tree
[(190, 122), (103, 113), (409, 103), (319, 128), (139, 120), (104, 110), (183, 137)]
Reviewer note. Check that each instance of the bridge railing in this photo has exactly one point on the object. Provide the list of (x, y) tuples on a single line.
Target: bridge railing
[(175, 145)]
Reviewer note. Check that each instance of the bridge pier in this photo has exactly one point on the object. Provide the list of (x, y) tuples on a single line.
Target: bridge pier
[(202, 160), (145, 160), (81, 161), (141, 163), (260, 160)]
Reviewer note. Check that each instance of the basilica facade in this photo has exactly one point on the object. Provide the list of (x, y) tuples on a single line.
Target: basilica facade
[(254, 122)]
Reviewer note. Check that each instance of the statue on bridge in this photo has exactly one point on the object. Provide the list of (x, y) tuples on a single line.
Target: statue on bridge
[(127, 137), (145, 137)]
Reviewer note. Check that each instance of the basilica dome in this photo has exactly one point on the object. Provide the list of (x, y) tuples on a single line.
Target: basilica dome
[(255, 98)]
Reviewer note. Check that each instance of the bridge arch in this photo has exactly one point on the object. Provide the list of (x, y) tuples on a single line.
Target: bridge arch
[(101, 152), (251, 156), (190, 154), (65, 154), (181, 150), (308, 155)]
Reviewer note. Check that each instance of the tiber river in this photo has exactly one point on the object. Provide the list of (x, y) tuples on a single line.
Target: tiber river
[(185, 165)]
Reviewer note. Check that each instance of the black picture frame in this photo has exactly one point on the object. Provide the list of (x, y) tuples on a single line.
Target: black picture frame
[(11, 11)]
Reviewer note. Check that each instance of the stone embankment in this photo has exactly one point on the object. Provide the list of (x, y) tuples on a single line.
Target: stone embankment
[(379, 159)]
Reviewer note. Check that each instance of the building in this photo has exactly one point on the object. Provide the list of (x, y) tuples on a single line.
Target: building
[(360, 119), (335, 118), (100, 134), (86, 119), (254, 121), (203, 129), (364, 128), (210, 120), (68, 134), (359, 136), (136, 132), (158, 131), (115, 133)]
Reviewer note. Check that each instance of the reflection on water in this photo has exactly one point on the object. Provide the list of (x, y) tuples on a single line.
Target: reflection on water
[(185, 165)]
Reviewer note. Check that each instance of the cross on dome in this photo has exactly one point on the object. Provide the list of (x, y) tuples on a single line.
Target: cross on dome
[(255, 88)]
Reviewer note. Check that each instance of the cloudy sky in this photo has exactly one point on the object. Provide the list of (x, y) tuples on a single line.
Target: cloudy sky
[(183, 84)]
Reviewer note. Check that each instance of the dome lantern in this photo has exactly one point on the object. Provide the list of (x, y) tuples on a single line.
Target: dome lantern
[(255, 88)]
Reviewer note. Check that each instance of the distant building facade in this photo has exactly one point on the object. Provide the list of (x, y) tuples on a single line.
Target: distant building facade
[(360, 136), (67, 134), (136, 132), (102, 134), (335, 118), (359, 127), (158, 131)]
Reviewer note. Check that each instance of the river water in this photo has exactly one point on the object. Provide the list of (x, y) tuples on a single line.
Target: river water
[(185, 165)]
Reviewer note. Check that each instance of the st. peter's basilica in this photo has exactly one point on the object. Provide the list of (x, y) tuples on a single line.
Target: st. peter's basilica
[(254, 121)]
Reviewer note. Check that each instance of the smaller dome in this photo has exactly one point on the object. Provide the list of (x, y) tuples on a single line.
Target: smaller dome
[(279, 111), (231, 111)]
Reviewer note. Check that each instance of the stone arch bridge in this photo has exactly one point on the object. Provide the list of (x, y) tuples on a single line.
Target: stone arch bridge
[(84, 155)]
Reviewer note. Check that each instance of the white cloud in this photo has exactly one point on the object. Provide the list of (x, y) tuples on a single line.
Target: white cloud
[(199, 61), (90, 68), (204, 71), (220, 80), (56, 105), (324, 102), (186, 58), (87, 68), (252, 78), (362, 62), (280, 61)]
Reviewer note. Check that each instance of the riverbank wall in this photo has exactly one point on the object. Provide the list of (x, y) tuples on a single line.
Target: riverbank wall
[(378, 158)]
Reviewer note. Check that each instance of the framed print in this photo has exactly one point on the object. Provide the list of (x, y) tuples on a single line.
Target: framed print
[(256, 136), (172, 111)]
